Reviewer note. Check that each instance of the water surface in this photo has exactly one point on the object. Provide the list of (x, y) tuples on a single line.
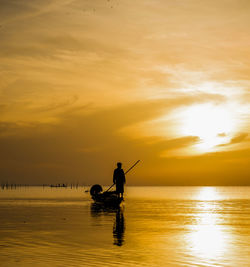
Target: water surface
[(156, 226)]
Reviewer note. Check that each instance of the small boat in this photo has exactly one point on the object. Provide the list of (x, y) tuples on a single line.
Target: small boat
[(107, 198)]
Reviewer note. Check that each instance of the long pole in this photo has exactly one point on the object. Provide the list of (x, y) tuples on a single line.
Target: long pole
[(132, 167), (125, 173)]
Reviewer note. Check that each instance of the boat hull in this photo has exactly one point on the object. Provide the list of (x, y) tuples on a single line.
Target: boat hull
[(107, 199)]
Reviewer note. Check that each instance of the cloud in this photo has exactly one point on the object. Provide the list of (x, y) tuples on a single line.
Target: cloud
[(85, 147), (79, 91), (239, 138), (79, 142), (16, 11), (57, 106), (242, 137), (171, 147), (221, 134)]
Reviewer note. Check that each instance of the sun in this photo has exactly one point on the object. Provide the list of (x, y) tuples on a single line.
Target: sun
[(211, 123)]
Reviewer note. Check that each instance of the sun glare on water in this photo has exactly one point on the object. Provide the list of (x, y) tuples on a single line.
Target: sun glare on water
[(208, 193), (211, 123), (207, 238)]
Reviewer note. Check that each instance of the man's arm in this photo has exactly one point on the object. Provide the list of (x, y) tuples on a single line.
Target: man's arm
[(124, 179), (114, 177)]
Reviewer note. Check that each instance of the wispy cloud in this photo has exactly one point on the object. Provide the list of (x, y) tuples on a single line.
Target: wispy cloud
[(242, 137), (83, 84), (15, 11)]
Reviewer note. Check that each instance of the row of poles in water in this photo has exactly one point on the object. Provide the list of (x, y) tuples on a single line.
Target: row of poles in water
[(65, 185)]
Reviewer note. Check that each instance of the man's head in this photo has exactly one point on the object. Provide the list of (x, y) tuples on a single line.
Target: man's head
[(119, 165)]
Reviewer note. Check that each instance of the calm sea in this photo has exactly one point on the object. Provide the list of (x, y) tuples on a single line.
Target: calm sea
[(156, 226)]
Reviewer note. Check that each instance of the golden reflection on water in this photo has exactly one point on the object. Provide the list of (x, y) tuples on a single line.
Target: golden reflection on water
[(156, 226), (207, 239), (208, 193)]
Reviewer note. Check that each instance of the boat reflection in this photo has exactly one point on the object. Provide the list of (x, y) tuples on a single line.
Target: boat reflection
[(98, 210)]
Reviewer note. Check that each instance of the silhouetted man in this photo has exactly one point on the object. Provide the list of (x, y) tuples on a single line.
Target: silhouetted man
[(119, 179)]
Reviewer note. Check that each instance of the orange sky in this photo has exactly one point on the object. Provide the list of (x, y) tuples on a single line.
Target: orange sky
[(84, 84)]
